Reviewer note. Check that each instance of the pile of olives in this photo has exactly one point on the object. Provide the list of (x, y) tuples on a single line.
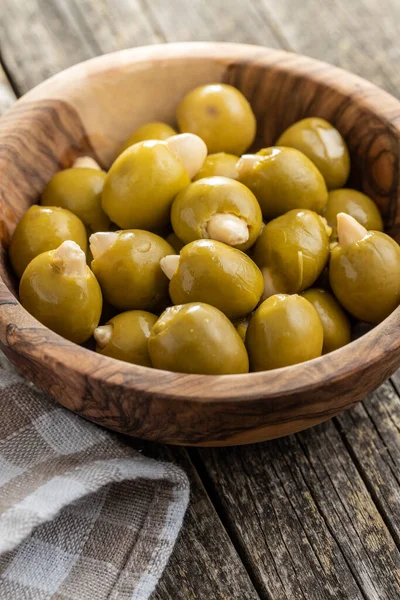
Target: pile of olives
[(190, 256)]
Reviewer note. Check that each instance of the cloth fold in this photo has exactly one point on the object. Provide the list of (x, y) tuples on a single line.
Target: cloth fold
[(82, 516)]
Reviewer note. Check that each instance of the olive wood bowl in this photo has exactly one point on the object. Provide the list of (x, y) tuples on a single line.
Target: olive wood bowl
[(91, 108)]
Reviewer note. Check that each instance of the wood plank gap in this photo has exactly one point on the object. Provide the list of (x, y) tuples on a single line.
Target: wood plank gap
[(394, 384), (208, 485), (9, 78)]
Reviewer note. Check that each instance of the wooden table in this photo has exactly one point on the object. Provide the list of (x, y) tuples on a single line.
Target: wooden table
[(315, 515)]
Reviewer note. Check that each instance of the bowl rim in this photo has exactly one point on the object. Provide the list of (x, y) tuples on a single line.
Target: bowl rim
[(359, 355)]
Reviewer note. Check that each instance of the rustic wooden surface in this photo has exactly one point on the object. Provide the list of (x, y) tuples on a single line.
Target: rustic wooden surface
[(312, 516)]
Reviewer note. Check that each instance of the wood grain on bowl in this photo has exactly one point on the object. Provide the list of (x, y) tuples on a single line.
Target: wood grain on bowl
[(92, 108)]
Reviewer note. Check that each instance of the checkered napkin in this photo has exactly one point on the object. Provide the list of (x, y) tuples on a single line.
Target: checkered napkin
[(82, 517)]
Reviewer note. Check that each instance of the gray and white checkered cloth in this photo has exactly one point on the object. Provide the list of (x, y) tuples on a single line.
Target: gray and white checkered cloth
[(82, 517)]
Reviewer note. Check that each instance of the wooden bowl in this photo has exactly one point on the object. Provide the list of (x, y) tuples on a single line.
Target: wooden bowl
[(92, 108)]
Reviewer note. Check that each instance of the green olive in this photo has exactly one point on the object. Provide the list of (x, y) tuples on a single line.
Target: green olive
[(220, 115), (128, 269), (150, 131), (175, 242), (334, 320), (285, 330), (79, 190), (365, 276), (292, 251), (217, 274), (219, 165), (283, 179), (142, 184), (125, 337), (197, 338), (324, 145), (42, 229), (356, 204), (217, 208), (60, 291)]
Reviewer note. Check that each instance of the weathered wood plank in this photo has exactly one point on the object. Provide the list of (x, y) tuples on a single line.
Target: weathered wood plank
[(52, 40), (118, 24), (204, 564), (359, 36), (304, 519), (122, 24), (371, 431), (59, 34), (199, 20)]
